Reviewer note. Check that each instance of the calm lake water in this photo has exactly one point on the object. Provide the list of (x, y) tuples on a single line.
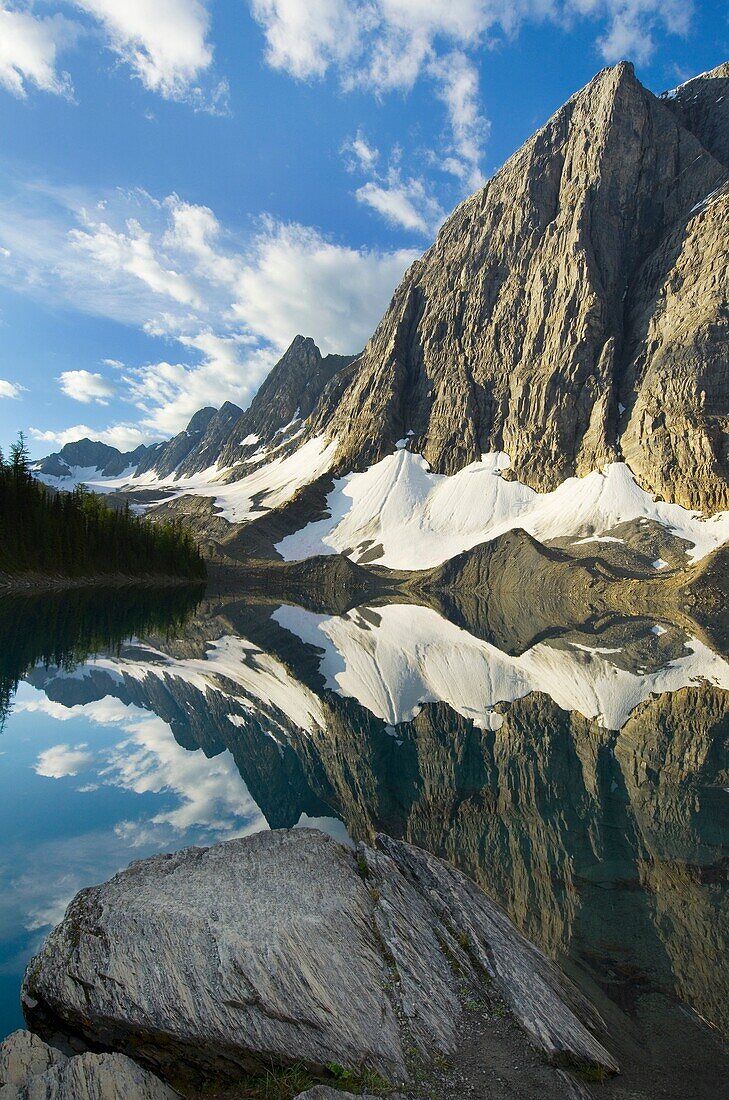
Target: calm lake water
[(580, 777)]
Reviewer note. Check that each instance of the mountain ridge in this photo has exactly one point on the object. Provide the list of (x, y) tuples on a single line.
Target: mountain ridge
[(572, 313)]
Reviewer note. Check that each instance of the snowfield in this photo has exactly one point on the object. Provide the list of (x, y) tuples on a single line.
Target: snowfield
[(400, 514), (264, 489), (420, 519), (414, 656)]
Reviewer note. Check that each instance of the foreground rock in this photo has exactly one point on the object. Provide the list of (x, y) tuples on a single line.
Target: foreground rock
[(284, 948), (31, 1070)]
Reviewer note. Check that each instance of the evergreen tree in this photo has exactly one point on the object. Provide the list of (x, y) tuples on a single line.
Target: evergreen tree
[(80, 534)]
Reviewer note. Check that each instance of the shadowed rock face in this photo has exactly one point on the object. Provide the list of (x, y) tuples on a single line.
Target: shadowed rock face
[(702, 105), (542, 304), (31, 1070), (197, 447)]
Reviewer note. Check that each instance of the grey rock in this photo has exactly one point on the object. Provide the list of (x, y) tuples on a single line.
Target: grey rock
[(282, 947), (532, 315), (31, 1070), (702, 104), (24, 1055), (433, 897)]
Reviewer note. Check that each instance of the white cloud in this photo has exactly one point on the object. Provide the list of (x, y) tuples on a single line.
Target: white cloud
[(28, 50), (457, 82), (126, 437), (63, 760), (295, 280), (388, 45), (226, 307), (131, 252), (84, 386), (403, 203), (208, 793), (10, 389), (360, 153), (169, 393), (305, 37), (164, 43)]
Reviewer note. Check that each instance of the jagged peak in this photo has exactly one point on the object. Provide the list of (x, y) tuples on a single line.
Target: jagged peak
[(200, 420), (721, 72)]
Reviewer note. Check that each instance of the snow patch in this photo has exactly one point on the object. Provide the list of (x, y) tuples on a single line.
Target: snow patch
[(237, 501), (421, 519)]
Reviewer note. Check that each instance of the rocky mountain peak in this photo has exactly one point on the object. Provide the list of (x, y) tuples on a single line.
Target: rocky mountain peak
[(200, 420), (89, 454), (519, 328), (289, 394), (702, 104), (571, 313)]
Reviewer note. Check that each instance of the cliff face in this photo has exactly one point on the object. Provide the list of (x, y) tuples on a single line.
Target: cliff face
[(555, 296)]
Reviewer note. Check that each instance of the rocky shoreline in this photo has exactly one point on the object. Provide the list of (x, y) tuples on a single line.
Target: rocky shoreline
[(289, 956)]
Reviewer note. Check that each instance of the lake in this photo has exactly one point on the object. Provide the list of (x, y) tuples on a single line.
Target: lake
[(579, 776)]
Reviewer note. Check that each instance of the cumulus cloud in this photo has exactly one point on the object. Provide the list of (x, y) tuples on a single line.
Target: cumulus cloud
[(360, 154), (86, 387), (225, 306), (457, 87), (295, 280), (29, 47), (405, 203), (63, 760), (631, 25), (165, 44), (10, 389), (131, 251), (388, 45), (168, 394), (385, 46)]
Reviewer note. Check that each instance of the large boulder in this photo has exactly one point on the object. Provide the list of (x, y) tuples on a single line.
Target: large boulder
[(287, 947), (32, 1070)]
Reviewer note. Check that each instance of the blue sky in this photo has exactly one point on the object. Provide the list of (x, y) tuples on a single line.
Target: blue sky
[(186, 184)]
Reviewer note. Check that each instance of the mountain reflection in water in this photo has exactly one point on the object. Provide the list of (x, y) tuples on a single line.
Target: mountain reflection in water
[(580, 780)]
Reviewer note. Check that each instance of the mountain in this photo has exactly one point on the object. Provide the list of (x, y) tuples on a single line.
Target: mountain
[(570, 321), (582, 279), (229, 436), (89, 456)]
